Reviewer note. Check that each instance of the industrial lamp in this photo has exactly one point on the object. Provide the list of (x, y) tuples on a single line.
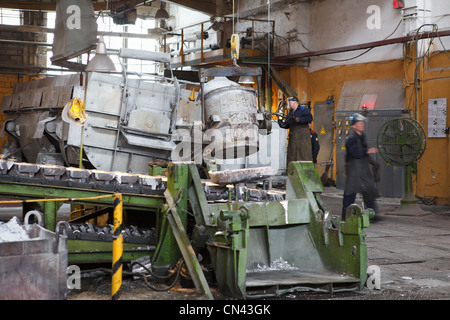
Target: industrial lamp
[(162, 13), (246, 80), (101, 61)]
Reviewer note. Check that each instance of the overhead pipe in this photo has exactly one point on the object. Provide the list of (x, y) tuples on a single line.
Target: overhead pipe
[(367, 45)]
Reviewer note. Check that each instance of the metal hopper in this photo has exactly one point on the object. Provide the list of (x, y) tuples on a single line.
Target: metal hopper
[(34, 266), (268, 248)]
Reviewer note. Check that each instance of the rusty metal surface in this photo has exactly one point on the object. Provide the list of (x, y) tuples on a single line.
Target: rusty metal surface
[(241, 175), (34, 269)]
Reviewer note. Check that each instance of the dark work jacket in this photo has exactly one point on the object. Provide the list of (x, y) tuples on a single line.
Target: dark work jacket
[(357, 166), (299, 147), (301, 116), (314, 144)]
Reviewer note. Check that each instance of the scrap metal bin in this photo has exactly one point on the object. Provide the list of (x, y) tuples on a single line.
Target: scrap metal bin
[(34, 269)]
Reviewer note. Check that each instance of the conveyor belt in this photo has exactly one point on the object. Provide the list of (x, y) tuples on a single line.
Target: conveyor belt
[(89, 232), (114, 181), (53, 175)]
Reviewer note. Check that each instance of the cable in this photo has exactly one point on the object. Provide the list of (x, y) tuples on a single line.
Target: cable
[(355, 57), (427, 201), (418, 62), (150, 272), (338, 60), (176, 273)]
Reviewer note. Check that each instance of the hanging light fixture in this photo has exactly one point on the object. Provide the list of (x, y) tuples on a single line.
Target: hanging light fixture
[(162, 13), (246, 80), (101, 61)]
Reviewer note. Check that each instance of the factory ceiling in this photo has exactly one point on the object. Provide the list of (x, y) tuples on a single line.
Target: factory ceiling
[(212, 7)]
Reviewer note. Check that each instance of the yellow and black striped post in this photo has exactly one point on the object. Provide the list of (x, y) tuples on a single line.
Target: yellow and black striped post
[(117, 248)]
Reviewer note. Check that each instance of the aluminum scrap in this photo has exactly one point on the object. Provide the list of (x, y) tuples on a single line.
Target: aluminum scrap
[(240, 175), (277, 265), (12, 231)]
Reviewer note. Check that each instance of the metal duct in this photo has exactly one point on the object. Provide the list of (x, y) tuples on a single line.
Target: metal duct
[(75, 29)]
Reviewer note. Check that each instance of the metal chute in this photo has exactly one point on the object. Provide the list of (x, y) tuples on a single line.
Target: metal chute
[(75, 30)]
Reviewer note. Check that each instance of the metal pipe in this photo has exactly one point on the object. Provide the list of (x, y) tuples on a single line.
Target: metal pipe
[(367, 45), (23, 43), (202, 57), (38, 29)]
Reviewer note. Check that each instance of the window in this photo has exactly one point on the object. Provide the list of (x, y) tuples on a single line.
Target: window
[(10, 17), (115, 42)]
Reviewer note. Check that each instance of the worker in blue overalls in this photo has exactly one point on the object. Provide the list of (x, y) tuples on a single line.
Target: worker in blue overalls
[(314, 143), (298, 118), (360, 178)]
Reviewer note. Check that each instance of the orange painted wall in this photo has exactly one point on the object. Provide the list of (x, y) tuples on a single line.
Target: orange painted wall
[(433, 174)]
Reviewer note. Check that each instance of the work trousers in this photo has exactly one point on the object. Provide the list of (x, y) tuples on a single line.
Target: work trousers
[(350, 199)]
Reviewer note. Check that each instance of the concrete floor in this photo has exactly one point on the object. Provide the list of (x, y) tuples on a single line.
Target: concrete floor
[(413, 253)]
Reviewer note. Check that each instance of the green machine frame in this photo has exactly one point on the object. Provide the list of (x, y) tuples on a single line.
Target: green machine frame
[(325, 254), (84, 250)]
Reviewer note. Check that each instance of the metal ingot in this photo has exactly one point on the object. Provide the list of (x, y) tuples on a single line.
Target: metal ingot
[(52, 172), (150, 182), (126, 179), (103, 177), (240, 175), (78, 175), (26, 169), (5, 166)]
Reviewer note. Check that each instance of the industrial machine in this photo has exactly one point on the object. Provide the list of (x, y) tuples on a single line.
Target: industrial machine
[(253, 242), (134, 120)]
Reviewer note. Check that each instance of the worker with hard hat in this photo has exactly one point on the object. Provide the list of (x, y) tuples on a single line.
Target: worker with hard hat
[(298, 118), (360, 178)]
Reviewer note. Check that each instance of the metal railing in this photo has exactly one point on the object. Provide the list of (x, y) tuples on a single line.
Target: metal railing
[(222, 42)]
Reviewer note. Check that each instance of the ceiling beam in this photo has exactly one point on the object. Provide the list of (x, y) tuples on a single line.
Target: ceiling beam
[(50, 5), (46, 5), (211, 7), (38, 29)]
